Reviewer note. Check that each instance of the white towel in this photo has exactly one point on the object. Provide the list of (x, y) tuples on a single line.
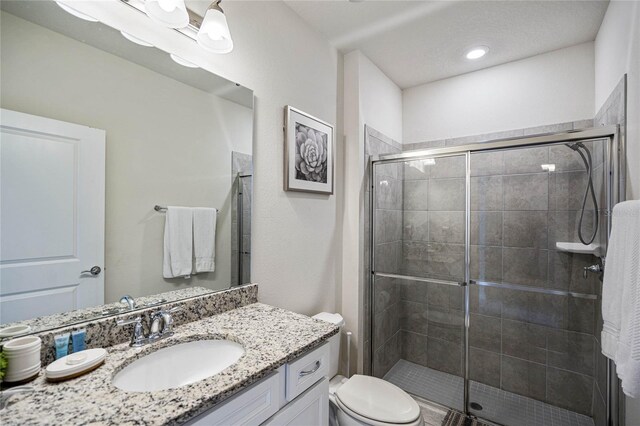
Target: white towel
[(204, 239), (621, 296), (178, 242)]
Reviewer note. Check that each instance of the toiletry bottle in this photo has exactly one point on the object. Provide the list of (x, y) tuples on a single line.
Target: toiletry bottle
[(77, 337), (62, 344)]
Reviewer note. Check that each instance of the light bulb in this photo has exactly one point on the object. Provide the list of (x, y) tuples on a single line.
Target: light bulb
[(167, 5), (170, 13), (214, 34)]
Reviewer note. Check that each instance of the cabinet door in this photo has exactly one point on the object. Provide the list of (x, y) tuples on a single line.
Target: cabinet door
[(251, 407), (309, 409)]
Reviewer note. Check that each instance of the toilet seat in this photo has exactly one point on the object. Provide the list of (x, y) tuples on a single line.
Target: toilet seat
[(376, 402)]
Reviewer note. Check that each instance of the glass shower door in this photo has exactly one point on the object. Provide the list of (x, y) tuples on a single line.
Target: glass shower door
[(419, 225), (532, 332)]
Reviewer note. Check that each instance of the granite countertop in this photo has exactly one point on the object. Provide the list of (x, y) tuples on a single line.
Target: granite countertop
[(271, 337)]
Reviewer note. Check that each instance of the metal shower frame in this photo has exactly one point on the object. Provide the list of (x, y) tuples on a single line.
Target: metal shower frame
[(615, 188)]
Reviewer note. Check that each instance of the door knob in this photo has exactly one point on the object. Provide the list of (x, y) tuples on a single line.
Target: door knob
[(93, 271)]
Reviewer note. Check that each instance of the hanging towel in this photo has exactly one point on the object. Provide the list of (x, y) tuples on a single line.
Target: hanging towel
[(178, 242), (621, 296), (204, 239)]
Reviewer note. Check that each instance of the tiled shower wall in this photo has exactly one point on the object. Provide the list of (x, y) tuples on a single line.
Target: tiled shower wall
[(538, 345)]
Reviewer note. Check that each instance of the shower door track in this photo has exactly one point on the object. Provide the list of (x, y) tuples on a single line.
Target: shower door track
[(614, 190)]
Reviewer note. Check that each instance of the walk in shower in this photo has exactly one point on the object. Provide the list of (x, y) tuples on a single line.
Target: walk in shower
[(484, 274)]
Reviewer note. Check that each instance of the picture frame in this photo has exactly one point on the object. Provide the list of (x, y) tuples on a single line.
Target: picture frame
[(309, 159)]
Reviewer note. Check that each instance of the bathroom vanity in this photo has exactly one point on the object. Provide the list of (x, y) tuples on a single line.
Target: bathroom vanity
[(280, 378)]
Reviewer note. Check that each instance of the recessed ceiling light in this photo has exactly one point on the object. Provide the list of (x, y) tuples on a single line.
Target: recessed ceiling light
[(477, 52)]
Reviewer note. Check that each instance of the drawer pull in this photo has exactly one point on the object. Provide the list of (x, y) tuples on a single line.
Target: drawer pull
[(307, 372)]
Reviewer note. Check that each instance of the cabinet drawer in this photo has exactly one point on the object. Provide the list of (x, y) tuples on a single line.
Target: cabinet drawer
[(251, 407), (309, 409), (307, 370)]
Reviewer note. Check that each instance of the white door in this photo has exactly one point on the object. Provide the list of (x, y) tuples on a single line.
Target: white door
[(51, 216)]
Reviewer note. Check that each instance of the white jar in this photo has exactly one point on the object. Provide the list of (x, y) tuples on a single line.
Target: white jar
[(23, 357)]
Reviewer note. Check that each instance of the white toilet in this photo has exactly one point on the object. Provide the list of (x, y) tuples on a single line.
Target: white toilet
[(365, 400)]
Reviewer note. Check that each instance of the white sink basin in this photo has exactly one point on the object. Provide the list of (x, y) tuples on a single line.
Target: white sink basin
[(178, 365)]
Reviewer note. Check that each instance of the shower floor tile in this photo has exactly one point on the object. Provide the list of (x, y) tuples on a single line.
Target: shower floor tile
[(498, 406)]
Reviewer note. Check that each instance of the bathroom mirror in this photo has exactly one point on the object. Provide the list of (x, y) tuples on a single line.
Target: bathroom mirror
[(96, 131)]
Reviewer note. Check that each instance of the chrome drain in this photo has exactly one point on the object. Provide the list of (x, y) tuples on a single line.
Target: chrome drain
[(475, 406)]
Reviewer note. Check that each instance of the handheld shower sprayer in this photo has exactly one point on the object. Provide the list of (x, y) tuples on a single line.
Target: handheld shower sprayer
[(586, 159)]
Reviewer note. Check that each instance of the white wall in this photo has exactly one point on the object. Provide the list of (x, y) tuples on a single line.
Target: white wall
[(296, 237), (183, 157), (544, 89), (617, 51), (380, 99), (370, 98), (353, 171)]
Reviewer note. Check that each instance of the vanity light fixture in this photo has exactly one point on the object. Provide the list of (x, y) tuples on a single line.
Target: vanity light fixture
[(178, 60), (211, 32), (135, 39), (75, 12), (214, 34), (477, 52), (170, 13)]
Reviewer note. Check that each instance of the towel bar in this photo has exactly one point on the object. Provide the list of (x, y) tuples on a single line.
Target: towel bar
[(163, 209)]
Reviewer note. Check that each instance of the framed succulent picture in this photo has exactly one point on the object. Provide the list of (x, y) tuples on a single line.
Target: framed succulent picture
[(308, 153)]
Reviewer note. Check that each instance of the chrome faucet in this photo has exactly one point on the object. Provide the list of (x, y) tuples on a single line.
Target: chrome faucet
[(129, 301), (154, 328), (160, 327)]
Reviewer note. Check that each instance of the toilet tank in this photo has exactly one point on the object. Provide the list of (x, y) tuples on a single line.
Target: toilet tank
[(334, 341)]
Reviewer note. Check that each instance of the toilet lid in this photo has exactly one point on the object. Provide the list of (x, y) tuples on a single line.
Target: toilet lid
[(377, 399)]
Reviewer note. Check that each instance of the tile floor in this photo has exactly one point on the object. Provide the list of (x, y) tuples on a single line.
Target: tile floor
[(432, 414), (498, 406)]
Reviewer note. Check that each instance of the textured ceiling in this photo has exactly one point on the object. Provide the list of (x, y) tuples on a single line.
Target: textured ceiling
[(415, 42)]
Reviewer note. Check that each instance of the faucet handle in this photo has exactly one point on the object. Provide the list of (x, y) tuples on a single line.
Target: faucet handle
[(596, 268), (137, 320), (137, 337)]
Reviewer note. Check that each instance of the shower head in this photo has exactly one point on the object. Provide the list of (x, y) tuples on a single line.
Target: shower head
[(575, 146), (583, 151)]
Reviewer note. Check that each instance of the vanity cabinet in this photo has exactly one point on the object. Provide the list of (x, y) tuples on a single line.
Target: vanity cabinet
[(310, 408), (295, 394)]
